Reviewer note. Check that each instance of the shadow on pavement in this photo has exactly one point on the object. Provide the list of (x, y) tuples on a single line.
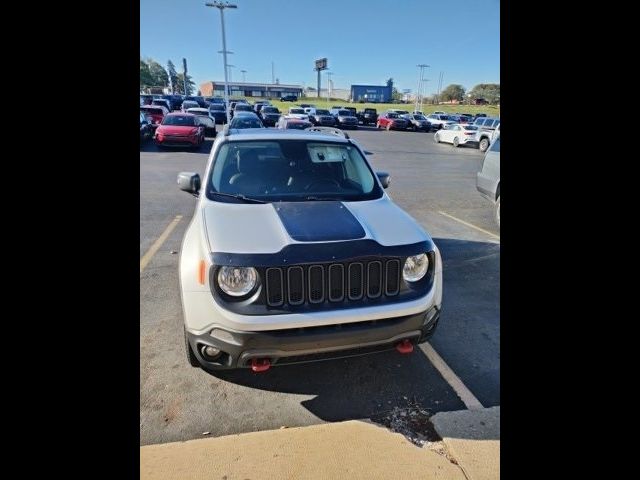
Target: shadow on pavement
[(372, 385)]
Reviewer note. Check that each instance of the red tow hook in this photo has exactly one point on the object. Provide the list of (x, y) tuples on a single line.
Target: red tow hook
[(405, 347), (261, 364)]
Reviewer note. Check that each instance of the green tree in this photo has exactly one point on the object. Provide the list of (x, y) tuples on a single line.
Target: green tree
[(158, 73), (489, 91), (453, 92), (390, 82), (179, 87), (173, 74), (146, 79)]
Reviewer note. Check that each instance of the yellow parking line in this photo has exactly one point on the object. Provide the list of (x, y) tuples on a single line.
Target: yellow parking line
[(158, 243), (468, 398), (470, 225)]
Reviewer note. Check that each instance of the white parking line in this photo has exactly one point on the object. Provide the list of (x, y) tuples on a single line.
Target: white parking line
[(468, 398), (470, 225), (158, 243)]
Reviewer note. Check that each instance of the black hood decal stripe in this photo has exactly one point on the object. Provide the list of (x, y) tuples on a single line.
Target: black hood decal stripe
[(318, 221)]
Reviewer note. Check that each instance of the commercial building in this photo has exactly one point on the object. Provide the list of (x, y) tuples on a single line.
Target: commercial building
[(241, 89), (371, 93)]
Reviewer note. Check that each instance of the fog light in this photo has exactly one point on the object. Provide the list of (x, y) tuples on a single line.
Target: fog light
[(211, 352)]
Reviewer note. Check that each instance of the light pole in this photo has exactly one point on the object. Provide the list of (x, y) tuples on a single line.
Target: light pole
[(329, 87), (243, 78), (229, 66), (422, 66), (221, 6)]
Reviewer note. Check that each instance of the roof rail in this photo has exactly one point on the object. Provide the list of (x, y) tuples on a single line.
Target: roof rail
[(331, 130), (225, 130)]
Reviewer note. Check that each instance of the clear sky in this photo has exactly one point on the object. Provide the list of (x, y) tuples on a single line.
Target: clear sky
[(365, 41)]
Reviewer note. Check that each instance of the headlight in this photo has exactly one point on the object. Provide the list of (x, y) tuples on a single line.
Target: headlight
[(237, 281), (415, 267)]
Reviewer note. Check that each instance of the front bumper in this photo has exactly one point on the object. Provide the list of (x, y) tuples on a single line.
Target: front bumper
[(171, 141), (298, 345)]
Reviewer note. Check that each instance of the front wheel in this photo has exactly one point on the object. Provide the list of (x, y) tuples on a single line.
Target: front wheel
[(456, 142), (497, 213), (378, 125), (388, 127), (484, 144), (436, 138)]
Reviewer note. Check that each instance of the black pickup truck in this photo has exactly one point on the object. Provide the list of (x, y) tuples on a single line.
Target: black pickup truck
[(368, 116)]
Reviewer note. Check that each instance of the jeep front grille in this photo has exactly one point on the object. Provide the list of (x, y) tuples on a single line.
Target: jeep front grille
[(333, 283)]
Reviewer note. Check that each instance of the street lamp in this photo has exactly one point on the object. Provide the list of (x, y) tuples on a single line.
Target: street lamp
[(221, 6), (229, 66), (243, 78)]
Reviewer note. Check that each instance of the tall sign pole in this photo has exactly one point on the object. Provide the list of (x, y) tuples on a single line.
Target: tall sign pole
[(184, 78), (321, 64)]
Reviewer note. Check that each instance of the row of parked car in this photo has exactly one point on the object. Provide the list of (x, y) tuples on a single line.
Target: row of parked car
[(458, 129)]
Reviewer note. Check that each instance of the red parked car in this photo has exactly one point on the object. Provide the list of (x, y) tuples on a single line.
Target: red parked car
[(155, 112), (179, 130), (392, 120)]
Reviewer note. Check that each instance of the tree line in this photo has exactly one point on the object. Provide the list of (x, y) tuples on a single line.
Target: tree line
[(489, 92), (152, 74)]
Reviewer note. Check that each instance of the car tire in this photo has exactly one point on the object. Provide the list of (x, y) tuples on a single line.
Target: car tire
[(497, 212), (388, 127), (440, 127), (456, 142), (436, 138), (191, 357), (484, 144), (378, 125)]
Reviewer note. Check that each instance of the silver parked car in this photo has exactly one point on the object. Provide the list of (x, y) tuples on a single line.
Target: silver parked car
[(488, 178)]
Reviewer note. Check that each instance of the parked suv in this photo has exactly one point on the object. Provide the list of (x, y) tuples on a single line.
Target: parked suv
[(368, 116), (488, 178), (296, 253), (486, 131)]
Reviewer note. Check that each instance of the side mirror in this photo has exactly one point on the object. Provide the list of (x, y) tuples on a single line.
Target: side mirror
[(189, 182), (384, 178)]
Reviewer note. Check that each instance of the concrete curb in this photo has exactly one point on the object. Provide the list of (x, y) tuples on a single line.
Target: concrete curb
[(352, 449), (472, 437)]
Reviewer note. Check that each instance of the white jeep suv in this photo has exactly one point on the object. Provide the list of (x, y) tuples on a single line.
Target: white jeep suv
[(296, 253)]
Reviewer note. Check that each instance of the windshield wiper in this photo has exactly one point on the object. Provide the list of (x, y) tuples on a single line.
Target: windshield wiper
[(238, 196), (320, 199)]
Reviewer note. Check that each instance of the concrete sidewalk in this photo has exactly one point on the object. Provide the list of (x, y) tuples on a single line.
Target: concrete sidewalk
[(352, 449)]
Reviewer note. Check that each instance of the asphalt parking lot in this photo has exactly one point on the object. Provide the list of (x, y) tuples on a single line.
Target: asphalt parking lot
[(435, 183)]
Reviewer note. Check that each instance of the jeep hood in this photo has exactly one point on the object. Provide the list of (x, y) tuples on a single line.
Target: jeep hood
[(268, 228)]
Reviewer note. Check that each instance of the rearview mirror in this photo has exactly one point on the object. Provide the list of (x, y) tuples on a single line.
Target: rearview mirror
[(384, 178), (189, 182)]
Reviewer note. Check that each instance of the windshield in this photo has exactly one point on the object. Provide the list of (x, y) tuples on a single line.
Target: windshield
[(296, 110), (392, 115), (242, 107), (419, 117), (217, 107), (470, 127), (153, 111), (270, 110), (179, 120), (322, 112), (344, 113), (189, 104), (292, 170), (245, 122)]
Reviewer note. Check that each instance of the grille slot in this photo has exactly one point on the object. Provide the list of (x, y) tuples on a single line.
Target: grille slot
[(356, 281), (295, 279), (275, 294), (374, 279), (336, 282), (316, 284), (392, 285)]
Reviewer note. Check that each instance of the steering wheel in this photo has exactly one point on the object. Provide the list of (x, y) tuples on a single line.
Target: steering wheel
[(323, 181)]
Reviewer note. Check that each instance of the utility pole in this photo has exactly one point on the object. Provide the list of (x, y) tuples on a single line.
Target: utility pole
[(243, 78), (425, 80), (221, 6), (422, 66), (230, 72), (184, 78), (273, 76), (329, 87)]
